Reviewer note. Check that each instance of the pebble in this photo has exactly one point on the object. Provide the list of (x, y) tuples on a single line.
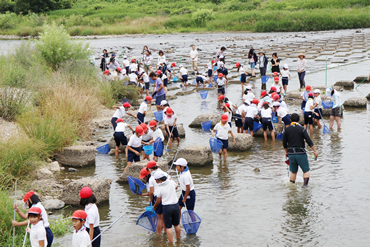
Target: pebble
[(256, 169), (72, 169)]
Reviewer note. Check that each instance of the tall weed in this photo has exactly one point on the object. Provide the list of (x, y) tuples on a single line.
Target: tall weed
[(13, 102)]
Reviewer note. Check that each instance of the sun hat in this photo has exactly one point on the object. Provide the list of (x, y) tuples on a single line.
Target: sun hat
[(273, 94), (220, 75), (181, 66), (79, 214), (139, 130), (28, 195), (159, 72), (273, 89), (144, 172), (164, 102), (213, 61), (119, 120), (181, 162), (263, 93), (152, 123), (311, 94), (125, 57), (308, 87), (85, 192), (133, 60), (204, 74), (221, 97), (237, 64), (151, 164), (248, 88), (227, 105), (159, 174), (275, 104), (106, 72), (286, 66), (224, 117), (328, 91), (169, 111), (35, 210), (302, 54), (255, 101), (126, 105), (276, 78), (143, 125), (119, 69), (148, 98), (316, 91), (275, 97), (247, 102)]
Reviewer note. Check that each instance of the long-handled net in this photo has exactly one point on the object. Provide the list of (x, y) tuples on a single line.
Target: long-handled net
[(190, 221), (136, 186), (148, 220)]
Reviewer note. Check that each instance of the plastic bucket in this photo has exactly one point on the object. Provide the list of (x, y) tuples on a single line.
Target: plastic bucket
[(327, 104), (103, 149), (206, 126), (148, 149), (215, 145), (149, 208), (203, 94), (174, 79), (158, 115), (275, 120)]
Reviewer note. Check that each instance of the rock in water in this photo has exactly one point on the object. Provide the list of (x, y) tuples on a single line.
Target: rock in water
[(99, 186), (77, 156), (197, 122), (358, 102), (54, 167), (135, 168), (196, 155), (72, 170), (345, 84), (243, 142), (361, 78), (53, 204), (256, 169)]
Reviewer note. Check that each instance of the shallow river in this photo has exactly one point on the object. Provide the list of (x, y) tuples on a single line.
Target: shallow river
[(238, 206)]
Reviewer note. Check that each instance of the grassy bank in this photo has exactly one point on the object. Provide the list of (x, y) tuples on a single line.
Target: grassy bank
[(91, 17)]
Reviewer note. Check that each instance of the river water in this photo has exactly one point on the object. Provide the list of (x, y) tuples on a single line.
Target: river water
[(240, 207)]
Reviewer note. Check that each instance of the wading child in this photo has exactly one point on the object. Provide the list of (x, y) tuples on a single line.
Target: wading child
[(164, 78), (276, 98), (240, 116), (221, 84), (250, 116), (120, 112), (145, 78), (156, 133), (308, 115), (201, 79), (266, 114), (285, 77), (134, 147), (188, 195), (223, 129), (248, 95), (227, 110), (119, 134), (37, 231), (209, 67), (264, 98), (243, 75), (262, 62), (304, 97), (194, 59), (318, 108), (167, 195), (88, 201), (146, 139), (80, 236), (277, 85), (282, 114), (170, 125), (159, 90), (184, 76), (31, 200), (126, 63), (252, 56), (143, 109)]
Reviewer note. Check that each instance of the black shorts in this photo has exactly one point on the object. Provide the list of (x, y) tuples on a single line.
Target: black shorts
[(238, 120), (337, 112), (267, 123), (171, 215), (165, 82), (175, 133), (159, 209), (184, 78), (243, 78), (131, 156), (199, 80), (147, 85), (120, 138), (286, 119), (209, 73), (225, 72), (225, 143), (308, 117), (221, 90), (190, 200), (285, 80), (248, 124), (318, 111)]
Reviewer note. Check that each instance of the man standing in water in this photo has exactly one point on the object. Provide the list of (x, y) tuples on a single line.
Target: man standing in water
[(293, 142)]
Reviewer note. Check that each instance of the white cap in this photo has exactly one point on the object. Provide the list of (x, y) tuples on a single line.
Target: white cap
[(204, 74), (181, 162), (276, 104), (124, 56), (328, 91), (164, 102), (248, 87), (285, 66), (247, 102), (180, 66), (159, 174), (316, 91)]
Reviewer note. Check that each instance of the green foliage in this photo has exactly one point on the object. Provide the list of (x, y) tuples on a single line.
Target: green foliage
[(61, 225), (12, 102), (8, 20), (6, 5), (202, 16), (40, 6)]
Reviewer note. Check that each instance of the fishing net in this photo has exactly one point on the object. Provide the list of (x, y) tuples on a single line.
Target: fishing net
[(265, 78), (148, 220), (158, 147), (326, 130), (136, 186), (279, 136), (190, 221)]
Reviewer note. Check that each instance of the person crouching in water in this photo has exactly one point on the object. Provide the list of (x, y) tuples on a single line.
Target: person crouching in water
[(119, 135), (134, 147)]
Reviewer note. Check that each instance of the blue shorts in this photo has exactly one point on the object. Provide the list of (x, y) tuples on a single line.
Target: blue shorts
[(238, 120), (159, 209), (96, 242), (147, 85), (165, 82), (120, 138), (243, 78), (158, 99), (131, 156), (319, 111), (199, 80), (184, 78), (221, 90), (286, 119), (225, 143), (190, 201), (219, 71), (300, 160), (171, 215), (225, 71), (266, 123), (140, 118), (175, 133), (50, 236), (308, 117), (209, 73), (253, 65), (285, 80), (248, 124), (303, 105)]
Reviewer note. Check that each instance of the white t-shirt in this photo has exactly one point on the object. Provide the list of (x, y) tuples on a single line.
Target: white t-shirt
[(309, 103), (143, 107), (133, 67), (93, 216), (134, 141), (186, 179), (242, 108), (282, 112), (242, 70), (221, 82), (126, 63), (119, 113), (220, 64), (203, 77), (318, 101), (38, 233), (146, 78), (222, 131), (161, 59), (266, 113), (158, 133), (167, 192), (183, 71), (285, 73), (81, 238), (133, 77), (153, 183), (278, 86), (230, 115), (283, 104), (252, 111), (148, 136), (250, 96), (169, 121), (194, 53), (43, 214), (148, 60), (121, 75), (121, 127), (210, 66)]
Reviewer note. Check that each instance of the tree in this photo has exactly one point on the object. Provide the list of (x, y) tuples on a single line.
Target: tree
[(40, 6)]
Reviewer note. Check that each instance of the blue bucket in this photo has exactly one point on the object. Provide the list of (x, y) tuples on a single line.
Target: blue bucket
[(174, 79), (275, 120), (215, 145), (203, 94), (148, 149), (206, 126), (327, 104), (103, 149), (150, 208), (158, 115)]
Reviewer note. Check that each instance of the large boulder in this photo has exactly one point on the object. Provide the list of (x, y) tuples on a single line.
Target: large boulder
[(112, 143), (180, 130), (196, 155), (345, 84), (277, 127), (197, 122), (77, 156), (358, 102), (135, 168), (243, 142), (99, 186), (53, 204), (368, 97)]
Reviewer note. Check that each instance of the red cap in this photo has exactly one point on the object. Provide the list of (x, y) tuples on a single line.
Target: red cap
[(273, 89), (275, 73), (276, 97), (143, 125), (119, 69), (265, 103), (263, 93), (119, 120), (106, 72), (308, 88), (213, 61), (255, 101), (151, 164), (273, 94), (85, 192), (224, 117), (173, 64), (227, 105), (152, 123), (159, 72), (133, 60), (148, 98), (79, 214), (139, 130), (237, 64), (28, 195), (221, 97), (311, 94), (126, 104), (144, 172), (169, 111), (220, 75), (35, 210), (276, 78)]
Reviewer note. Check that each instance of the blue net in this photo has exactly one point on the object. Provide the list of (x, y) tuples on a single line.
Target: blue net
[(203, 94), (158, 147), (215, 145), (136, 186), (279, 136), (158, 115), (265, 78), (206, 126), (256, 126), (327, 104), (190, 221), (148, 220), (326, 130), (194, 82), (103, 149), (215, 78)]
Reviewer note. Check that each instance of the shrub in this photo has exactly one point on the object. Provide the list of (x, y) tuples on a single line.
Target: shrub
[(12, 102), (8, 20), (96, 22), (201, 16)]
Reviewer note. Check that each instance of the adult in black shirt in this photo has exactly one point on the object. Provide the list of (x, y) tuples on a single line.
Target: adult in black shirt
[(275, 61), (293, 141)]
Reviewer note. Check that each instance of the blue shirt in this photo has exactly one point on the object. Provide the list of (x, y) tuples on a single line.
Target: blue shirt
[(158, 84)]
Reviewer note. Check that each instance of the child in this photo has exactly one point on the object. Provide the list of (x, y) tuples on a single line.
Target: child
[(107, 76), (148, 59), (266, 114), (304, 97), (88, 201), (164, 78), (120, 112), (277, 85), (221, 84), (264, 98), (145, 175), (119, 134), (285, 77), (146, 139), (201, 79), (222, 129), (164, 106), (225, 72), (240, 116), (209, 66), (133, 67), (228, 112), (281, 113), (188, 195), (318, 108), (156, 133), (243, 75), (31, 200), (249, 117), (134, 147), (126, 64), (248, 95), (145, 78), (143, 109), (308, 112), (159, 89), (167, 195), (184, 76), (170, 125), (80, 236), (133, 79), (37, 231), (276, 98)]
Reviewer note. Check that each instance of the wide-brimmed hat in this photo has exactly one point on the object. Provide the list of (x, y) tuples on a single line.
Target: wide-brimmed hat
[(302, 54)]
